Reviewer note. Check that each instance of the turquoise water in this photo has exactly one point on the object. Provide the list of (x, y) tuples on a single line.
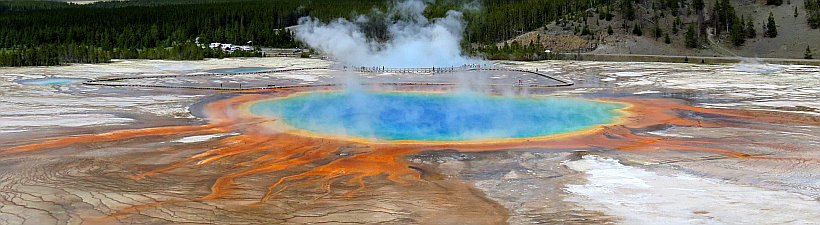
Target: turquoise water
[(241, 70), (436, 117), (51, 81)]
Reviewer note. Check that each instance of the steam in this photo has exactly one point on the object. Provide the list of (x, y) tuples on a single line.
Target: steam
[(752, 65), (414, 40)]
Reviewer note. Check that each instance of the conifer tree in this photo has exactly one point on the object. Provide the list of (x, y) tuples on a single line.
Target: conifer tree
[(723, 16), (698, 4), (628, 10), (675, 25), (658, 32), (750, 29), (774, 2), (737, 34), (813, 13), (771, 27), (691, 40)]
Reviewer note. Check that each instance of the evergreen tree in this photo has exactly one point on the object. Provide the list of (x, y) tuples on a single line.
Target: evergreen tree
[(586, 31), (658, 32), (737, 34), (666, 39), (750, 29), (636, 30), (609, 30), (609, 15), (771, 27), (675, 25), (628, 10), (813, 13), (691, 39), (723, 16), (774, 2), (808, 55), (697, 4)]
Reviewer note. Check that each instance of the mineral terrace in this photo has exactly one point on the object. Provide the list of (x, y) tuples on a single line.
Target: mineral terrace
[(717, 144)]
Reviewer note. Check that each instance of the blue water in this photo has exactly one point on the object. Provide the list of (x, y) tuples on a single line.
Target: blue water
[(436, 117), (51, 81), (241, 70)]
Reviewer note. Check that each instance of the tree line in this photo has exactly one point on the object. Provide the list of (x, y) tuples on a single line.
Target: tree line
[(153, 28), (7, 6), (500, 20), (32, 33), (57, 54), (813, 10), (50, 55), (514, 51)]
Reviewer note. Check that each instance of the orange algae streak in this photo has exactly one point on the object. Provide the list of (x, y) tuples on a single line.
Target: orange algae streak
[(311, 160), (221, 121), (357, 166), (119, 135)]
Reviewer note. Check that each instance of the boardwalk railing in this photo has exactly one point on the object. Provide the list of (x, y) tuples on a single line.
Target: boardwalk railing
[(103, 82), (200, 75), (407, 70), (432, 69), (561, 81)]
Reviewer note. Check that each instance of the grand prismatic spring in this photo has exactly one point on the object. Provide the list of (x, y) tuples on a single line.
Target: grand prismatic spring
[(436, 117), (408, 131), (407, 153)]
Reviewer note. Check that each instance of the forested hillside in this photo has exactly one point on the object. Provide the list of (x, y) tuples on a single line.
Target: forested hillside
[(114, 28), (167, 29), (6, 6), (761, 28), (504, 19), (154, 29)]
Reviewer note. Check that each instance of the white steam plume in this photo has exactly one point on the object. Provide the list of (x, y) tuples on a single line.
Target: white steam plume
[(414, 41)]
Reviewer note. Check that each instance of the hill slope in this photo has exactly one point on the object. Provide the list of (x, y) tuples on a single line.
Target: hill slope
[(570, 35)]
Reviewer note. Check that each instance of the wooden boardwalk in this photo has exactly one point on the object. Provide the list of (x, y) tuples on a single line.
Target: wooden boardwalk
[(106, 81)]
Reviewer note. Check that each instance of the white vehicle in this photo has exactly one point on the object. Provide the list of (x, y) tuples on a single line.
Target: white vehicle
[(215, 45)]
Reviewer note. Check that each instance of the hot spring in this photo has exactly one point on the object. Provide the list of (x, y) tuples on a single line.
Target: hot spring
[(241, 70), (401, 116), (51, 81)]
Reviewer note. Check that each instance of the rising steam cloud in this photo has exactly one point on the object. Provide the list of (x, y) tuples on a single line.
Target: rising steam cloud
[(414, 40)]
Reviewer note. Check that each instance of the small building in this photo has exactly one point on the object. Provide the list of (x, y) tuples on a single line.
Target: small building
[(229, 48)]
